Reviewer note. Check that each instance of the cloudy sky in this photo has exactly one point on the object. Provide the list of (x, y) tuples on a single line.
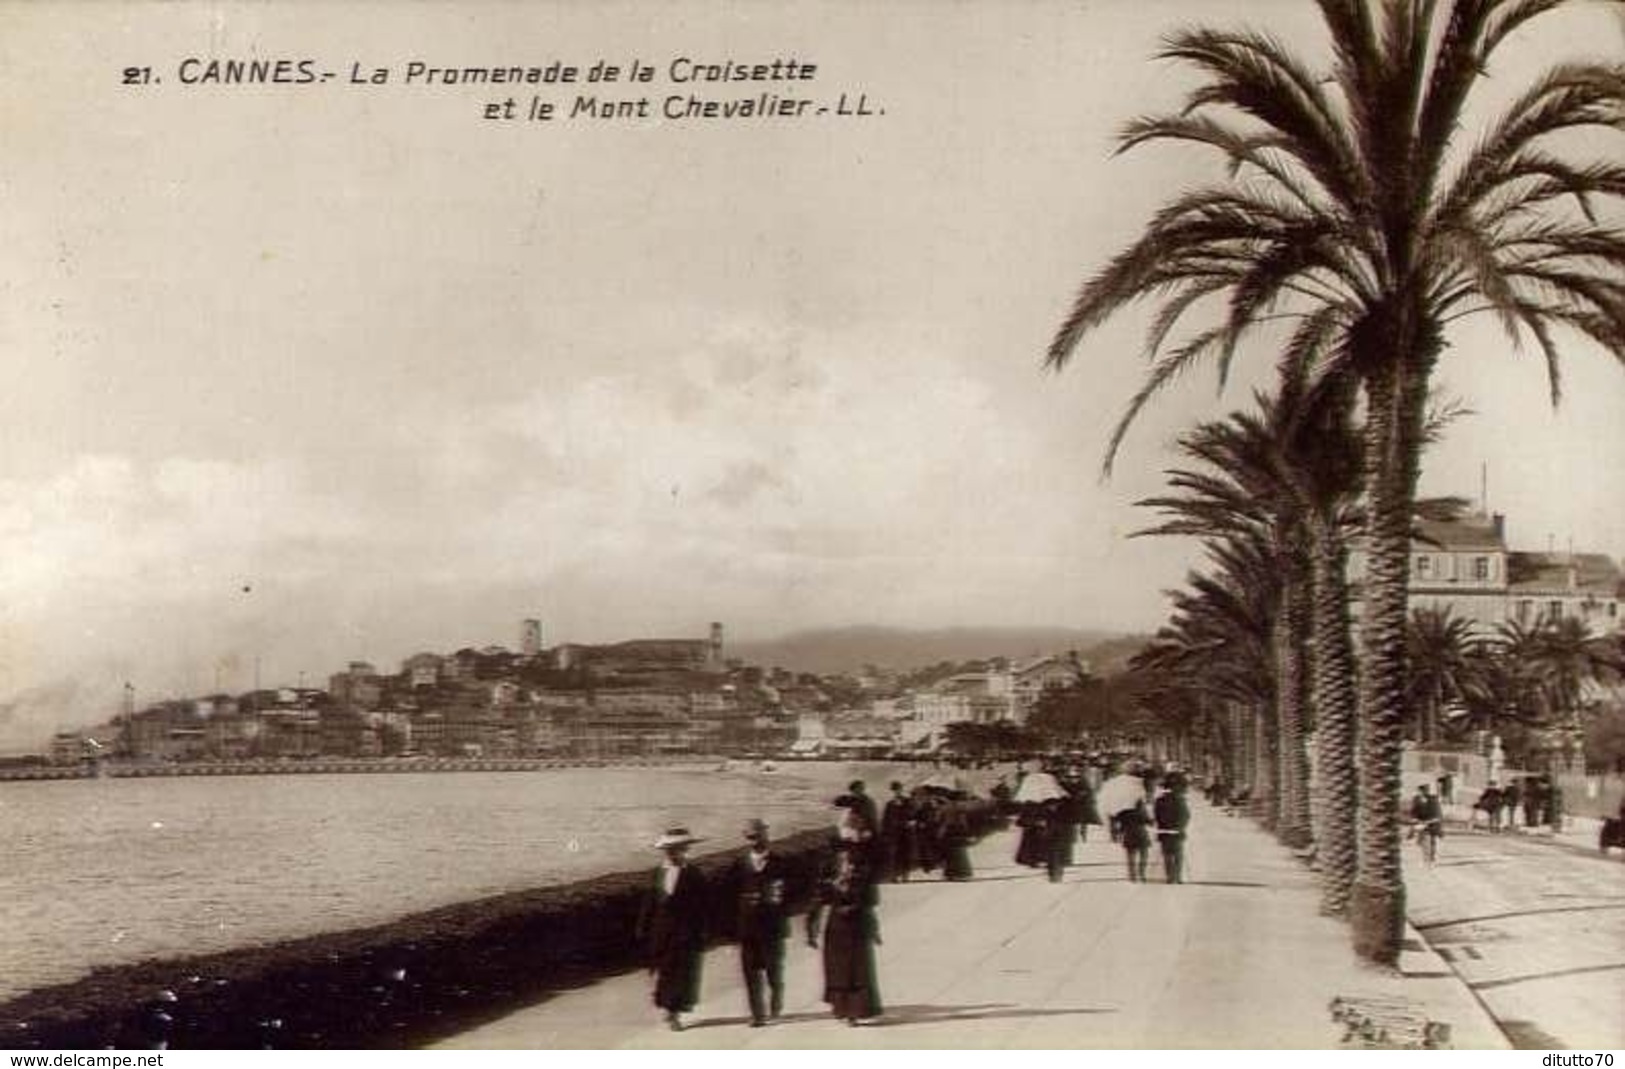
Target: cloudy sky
[(297, 375)]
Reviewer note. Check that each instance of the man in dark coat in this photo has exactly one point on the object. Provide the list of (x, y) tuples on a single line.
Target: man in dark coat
[(1172, 815), (1132, 829), (897, 835), (673, 923), (863, 804), (759, 887)]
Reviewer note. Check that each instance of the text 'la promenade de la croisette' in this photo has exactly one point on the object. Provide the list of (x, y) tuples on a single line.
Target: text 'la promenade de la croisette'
[(683, 87)]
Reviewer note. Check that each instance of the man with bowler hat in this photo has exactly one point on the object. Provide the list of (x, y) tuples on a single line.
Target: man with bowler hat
[(759, 884)]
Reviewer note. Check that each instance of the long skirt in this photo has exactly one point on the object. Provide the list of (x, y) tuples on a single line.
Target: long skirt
[(849, 964), (956, 861), (1033, 849), (677, 977)]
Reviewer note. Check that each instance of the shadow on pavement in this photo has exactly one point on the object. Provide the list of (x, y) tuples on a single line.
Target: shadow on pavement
[(985, 1011)]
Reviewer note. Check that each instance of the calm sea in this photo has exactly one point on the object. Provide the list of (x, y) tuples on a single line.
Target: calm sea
[(98, 872)]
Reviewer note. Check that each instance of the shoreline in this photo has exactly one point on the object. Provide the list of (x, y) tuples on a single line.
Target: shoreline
[(384, 765)]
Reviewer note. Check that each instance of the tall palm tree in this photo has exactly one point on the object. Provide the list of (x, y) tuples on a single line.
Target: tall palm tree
[(1355, 203)]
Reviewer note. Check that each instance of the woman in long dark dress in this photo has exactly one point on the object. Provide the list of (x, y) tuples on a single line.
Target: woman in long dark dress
[(846, 903), (1033, 848), (672, 923), (956, 843)]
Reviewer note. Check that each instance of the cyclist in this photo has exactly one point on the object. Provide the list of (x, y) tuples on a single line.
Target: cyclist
[(1427, 816)]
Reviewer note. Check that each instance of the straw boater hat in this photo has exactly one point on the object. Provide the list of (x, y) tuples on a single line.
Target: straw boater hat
[(676, 837)]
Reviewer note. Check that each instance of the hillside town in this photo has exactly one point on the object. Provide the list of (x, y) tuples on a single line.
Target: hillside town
[(651, 697), (636, 698)]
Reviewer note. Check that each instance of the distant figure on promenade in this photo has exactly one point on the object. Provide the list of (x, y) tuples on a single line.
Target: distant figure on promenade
[(845, 909), (1532, 803), (1554, 805), (758, 883), (955, 833), (1083, 798), (1489, 801), (1133, 831), (1067, 818), (852, 826), (928, 830), (897, 834), (1511, 796), (1057, 838), (672, 922), (1032, 849), (863, 803), (1173, 816)]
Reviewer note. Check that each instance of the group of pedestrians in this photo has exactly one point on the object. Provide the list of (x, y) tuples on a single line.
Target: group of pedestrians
[(925, 829), (1539, 798), (922, 829), (1168, 818), (759, 890), (1156, 808)]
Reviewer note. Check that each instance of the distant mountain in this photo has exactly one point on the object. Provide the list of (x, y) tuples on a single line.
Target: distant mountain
[(847, 649)]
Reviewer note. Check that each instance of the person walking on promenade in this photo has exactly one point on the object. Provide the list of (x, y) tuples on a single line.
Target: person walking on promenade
[(927, 831), (1510, 799), (1427, 818), (956, 864), (1173, 816), (673, 924), (864, 804), (758, 883), (1532, 803), (1133, 832), (845, 909), (1067, 818), (1489, 800), (1083, 797), (897, 834), (1032, 849), (1554, 804)]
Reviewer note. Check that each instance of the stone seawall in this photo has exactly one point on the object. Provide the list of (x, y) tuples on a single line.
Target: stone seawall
[(400, 984)]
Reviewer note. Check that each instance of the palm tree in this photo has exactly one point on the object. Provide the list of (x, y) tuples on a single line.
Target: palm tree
[(1243, 497), (1216, 647), (1351, 206), (1564, 658), (1442, 658)]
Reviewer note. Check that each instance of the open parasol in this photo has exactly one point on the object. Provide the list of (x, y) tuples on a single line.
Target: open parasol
[(1038, 787), (1119, 793)]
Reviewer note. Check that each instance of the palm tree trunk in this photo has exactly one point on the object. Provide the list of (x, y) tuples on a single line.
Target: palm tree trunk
[(1262, 802), (1395, 396), (1333, 667), (1292, 758)]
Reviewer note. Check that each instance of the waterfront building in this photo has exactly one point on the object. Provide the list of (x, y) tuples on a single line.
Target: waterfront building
[(1031, 681), (1464, 567)]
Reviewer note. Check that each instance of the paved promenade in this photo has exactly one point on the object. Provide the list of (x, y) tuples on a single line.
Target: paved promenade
[(1238, 957)]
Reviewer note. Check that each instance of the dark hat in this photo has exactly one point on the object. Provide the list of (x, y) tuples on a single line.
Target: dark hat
[(896, 784), (755, 829), (844, 801), (856, 786)]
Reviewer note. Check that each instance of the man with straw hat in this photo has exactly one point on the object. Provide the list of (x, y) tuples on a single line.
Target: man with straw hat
[(673, 923), (758, 884)]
